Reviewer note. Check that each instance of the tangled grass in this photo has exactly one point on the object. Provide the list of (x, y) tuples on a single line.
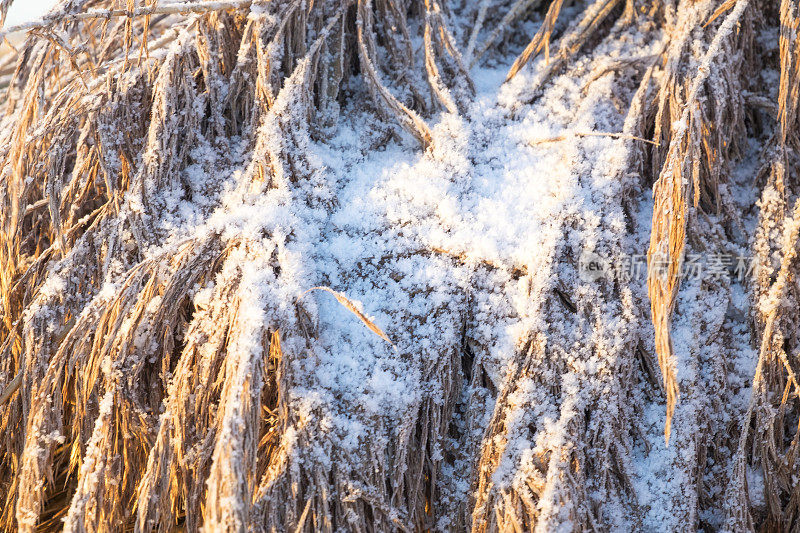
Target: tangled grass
[(156, 377)]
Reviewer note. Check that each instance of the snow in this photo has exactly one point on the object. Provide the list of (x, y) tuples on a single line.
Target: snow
[(382, 226), (469, 246)]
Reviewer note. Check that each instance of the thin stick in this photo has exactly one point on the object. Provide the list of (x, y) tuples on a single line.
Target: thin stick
[(350, 306), (591, 134), (11, 388)]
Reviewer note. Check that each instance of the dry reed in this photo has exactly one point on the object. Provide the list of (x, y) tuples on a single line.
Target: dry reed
[(141, 391)]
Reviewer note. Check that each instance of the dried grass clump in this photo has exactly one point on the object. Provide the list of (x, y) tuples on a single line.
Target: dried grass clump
[(157, 375), (692, 166), (769, 439), (141, 393), (580, 422)]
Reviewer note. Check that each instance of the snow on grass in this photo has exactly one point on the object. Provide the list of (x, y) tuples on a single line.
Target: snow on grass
[(470, 234)]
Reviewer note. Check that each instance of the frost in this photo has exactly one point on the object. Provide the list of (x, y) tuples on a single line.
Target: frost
[(336, 313)]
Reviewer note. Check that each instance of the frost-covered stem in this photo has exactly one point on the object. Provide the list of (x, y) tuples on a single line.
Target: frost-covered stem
[(11, 388), (476, 29), (668, 237), (181, 8), (516, 10)]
